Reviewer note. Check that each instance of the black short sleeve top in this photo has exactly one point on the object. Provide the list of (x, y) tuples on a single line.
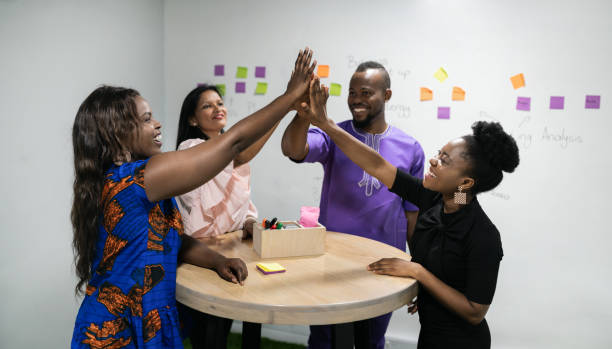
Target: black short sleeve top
[(463, 249)]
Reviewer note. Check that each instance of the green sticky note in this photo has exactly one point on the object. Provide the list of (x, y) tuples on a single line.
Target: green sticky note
[(241, 72), (221, 88), (334, 89), (261, 88)]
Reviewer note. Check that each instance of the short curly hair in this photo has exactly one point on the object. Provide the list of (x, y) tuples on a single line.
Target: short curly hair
[(490, 150)]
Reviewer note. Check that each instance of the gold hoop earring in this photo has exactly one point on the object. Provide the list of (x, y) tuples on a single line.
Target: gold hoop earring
[(460, 196)]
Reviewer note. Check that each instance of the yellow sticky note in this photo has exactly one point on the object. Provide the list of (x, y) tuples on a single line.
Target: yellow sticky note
[(441, 74), (242, 72), (323, 71), (518, 81), (458, 94), (335, 89), (262, 88), (270, 268), (426, 94)]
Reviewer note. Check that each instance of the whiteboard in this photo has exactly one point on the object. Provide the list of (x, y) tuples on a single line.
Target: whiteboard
[(553, 286)]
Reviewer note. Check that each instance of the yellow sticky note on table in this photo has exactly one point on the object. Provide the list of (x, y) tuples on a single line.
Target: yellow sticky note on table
[(270, 268), (335, 89), (242, 72), (221, 88), (441, 74), (323, 71), (426, 94), (518, 81), (261, 88), (458, 94)]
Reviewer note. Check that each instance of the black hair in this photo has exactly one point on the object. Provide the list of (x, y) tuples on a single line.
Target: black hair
[(375, 65), (490, 150), (190, 103), (101, 135)]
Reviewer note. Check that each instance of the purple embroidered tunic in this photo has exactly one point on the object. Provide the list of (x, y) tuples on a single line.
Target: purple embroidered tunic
[(354, 202)]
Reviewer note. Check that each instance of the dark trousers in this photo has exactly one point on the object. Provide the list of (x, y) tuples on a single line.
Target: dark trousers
[(321, 335), (204, 330)]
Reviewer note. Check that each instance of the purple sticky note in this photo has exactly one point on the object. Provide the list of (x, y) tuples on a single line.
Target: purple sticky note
[(443, 112), (260, 72), (240, 87), (557, 102), (219, 70), (592, 102), (523, 103)]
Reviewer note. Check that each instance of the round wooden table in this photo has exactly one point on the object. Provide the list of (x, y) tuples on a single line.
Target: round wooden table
[(331, 288)]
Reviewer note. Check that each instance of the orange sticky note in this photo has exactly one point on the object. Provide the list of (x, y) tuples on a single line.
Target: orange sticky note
[(323, 71), (426, 94), (518, 81), (458, 94)]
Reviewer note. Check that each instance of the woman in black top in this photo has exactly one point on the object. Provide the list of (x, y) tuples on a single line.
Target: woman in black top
[(456, 250)]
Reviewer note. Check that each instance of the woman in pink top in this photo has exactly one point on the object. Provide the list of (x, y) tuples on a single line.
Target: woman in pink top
[(224, 203), (221, 205)]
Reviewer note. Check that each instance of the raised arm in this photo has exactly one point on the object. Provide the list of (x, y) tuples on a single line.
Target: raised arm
[(254, 149), (294, 143), (174, 173), (362, 155)]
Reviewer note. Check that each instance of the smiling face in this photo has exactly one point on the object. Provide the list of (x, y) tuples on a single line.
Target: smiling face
[(367, 96), (448, 169), (210, 115), (147, 141)]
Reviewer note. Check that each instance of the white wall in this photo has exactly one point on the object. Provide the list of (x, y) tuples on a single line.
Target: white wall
[(52, 55), (553, 285)]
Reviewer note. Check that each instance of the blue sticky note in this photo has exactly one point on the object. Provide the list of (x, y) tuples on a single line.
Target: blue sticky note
[(443, 112)]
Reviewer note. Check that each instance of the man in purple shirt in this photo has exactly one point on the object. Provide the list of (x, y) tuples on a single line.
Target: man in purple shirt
[(352, 201)]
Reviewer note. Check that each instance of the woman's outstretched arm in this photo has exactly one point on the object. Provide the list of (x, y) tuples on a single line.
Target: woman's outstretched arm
[(248, 154), (174, 173)]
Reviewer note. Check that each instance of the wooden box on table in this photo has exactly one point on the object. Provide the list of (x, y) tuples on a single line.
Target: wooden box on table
[(293, 242)]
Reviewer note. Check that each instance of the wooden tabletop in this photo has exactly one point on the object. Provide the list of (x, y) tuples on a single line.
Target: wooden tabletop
[(332, 288)]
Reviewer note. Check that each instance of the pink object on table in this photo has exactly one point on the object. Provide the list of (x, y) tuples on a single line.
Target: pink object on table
[(309, 216)]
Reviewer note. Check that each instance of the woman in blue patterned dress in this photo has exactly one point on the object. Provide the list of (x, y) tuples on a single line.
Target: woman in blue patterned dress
[(128, 233)]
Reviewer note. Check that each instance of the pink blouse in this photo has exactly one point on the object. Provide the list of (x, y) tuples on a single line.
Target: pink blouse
[(220, 205)]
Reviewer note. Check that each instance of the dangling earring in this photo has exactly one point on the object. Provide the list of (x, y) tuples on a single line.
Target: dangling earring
[(460, 196)]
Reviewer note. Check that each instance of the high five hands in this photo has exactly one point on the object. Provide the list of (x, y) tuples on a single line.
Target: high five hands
[(315, 111), (302, 74)]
